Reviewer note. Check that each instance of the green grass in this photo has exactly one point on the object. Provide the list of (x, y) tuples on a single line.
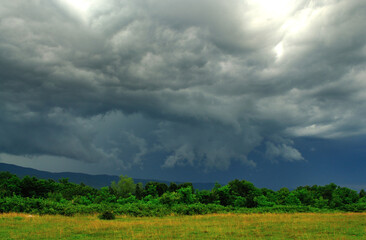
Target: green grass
[(212, 226)]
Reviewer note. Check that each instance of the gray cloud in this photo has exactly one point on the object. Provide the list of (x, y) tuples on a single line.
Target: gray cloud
[(283, 151), (203, 82)]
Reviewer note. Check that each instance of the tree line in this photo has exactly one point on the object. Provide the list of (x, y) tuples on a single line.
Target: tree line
[(33, 195)]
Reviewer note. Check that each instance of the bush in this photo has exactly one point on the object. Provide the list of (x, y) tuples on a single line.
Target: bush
[(107, 215), (355, 207), (198, 208), (69, 211)]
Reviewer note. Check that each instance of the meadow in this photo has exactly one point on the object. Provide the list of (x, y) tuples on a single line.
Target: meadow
[(211, 226)]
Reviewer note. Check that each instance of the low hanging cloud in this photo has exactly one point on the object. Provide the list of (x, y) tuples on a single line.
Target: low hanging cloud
[(283, 151), (204, 82)]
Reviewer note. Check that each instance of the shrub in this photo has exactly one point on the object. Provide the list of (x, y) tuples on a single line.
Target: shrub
[(355, 207), (69, 211), (107, 215)]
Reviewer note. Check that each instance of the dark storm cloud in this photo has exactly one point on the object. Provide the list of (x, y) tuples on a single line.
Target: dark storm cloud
[(204, 82)]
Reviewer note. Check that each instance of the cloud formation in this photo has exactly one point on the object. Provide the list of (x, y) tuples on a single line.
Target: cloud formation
[(204, 82)]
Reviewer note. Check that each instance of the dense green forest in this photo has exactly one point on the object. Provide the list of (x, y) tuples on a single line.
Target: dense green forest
[(39, 196)]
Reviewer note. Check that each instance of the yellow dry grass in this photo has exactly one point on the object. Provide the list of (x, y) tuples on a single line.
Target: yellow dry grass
[(212, 226)]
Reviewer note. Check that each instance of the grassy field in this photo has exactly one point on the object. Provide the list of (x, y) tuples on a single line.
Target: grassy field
[(214, 226)]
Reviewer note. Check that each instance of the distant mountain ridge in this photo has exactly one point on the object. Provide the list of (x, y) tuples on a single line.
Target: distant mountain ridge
[(96, 181)]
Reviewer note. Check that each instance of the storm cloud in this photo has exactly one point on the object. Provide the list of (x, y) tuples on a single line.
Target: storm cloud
[(203, 82)]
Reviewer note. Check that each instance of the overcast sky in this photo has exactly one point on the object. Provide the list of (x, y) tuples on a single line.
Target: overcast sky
[(185, 90)]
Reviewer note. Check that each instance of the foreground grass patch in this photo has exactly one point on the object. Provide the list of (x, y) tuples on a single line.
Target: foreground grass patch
[(213, 226)]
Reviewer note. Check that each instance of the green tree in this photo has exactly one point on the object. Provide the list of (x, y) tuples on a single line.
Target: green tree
[(305, 196), (170, 198), (161, 188), (263, 201), (269, 194), (245, 189), (139, 192), (282, 195), (9, 184), (240, 201), (343, 196), (151, 189), (241, 188), (362, 193), (33, 187), (225, 196), (292, 200), (206, 197), (105, 195), (172, 187), (185, 185), (124, 188), (321, 202), (186, 195), (327, 191)]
